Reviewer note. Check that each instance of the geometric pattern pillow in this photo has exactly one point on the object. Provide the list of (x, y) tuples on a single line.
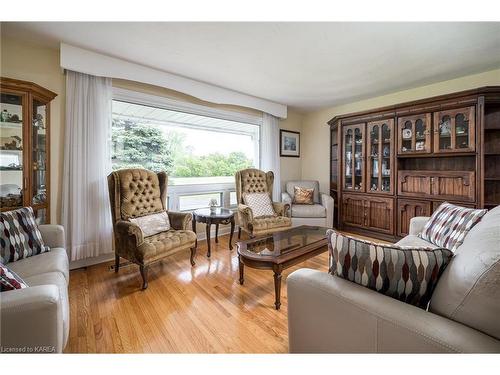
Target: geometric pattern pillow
[(19, 235), (408, 274), (449, 225), (302, 195), (259, 203), (9, 280), (153, 223)]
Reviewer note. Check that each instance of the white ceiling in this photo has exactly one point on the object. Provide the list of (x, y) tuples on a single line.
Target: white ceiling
[(304, 65)]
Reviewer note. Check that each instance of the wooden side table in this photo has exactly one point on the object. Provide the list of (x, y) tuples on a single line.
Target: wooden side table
[(218, 216)]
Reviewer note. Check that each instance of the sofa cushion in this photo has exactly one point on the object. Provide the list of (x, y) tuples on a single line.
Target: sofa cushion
[(9, 280), (469, 290), (265, 223), (303, 195), (449, 225), (408, 274), (55, 260), (164, 243), (58, 279), (153, 224), (305, 210), (19, 235), (309, 184), (259, 203), (415, 241)]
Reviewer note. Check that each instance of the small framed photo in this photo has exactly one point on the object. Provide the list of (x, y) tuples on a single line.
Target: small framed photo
[(289, 143)]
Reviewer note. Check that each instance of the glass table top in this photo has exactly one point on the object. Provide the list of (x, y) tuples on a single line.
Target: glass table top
[(282, 243), (217, 212)]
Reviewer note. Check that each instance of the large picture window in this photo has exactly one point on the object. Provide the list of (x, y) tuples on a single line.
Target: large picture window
[(199, 152)]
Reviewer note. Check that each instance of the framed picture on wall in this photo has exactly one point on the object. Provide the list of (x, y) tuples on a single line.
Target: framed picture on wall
[(289, 143)]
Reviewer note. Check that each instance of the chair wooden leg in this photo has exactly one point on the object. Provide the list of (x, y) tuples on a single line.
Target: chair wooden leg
[(193, 254), (144, 274), (239, 233), (117, 263)]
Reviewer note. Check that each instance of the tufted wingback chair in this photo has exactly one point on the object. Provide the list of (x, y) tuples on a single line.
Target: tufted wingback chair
[(138, 192), (257, 181)]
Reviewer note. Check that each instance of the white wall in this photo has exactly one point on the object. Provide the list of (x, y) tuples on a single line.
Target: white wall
[(291, 168)]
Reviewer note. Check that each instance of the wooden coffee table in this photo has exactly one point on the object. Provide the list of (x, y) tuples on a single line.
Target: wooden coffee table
[(280, 251)]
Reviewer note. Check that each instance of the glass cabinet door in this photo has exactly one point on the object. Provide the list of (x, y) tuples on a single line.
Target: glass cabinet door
[(11, 150), (454, 130), (414, 135), (380, 151), (353, 157), (348, 147), (39, 153)]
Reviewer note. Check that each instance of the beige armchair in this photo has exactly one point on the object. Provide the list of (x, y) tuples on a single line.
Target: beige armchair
[(135, 193), (320, 213), (257, 181)]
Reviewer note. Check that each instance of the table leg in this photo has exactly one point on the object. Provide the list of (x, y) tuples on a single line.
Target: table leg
[(208, 239), (241, 267), (217, 233), (277, 286), (231, 234)]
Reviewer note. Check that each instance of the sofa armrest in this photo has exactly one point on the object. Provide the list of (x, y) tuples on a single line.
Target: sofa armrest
[(281, 209), (129, 232), (417, 223), (180, 220), (286, 198), (328, 202), (53, 235), (31, 320), (327, 314)]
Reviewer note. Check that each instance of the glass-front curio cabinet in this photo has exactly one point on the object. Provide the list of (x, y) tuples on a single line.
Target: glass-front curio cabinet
[(353, 159), (25, 147)]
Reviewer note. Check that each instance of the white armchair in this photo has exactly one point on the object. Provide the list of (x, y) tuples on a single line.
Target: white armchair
[(320, 213)]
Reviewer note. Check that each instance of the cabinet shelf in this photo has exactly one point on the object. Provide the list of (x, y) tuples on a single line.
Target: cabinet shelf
[(11, 125)]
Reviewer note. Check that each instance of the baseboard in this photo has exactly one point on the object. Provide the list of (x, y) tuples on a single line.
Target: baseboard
[(111, 256), (91, 261)]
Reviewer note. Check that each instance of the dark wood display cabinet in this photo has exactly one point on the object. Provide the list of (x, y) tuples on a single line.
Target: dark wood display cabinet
[(404, 160), (25, 147)]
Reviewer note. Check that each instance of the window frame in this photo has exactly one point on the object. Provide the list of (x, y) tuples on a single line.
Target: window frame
[(174, 192)]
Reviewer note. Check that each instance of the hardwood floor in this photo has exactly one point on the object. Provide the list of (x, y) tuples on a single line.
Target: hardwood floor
[(200, 309)]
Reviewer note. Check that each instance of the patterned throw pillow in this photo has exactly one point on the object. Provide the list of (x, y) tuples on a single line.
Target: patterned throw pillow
[(405, 273), (302, 195), (260, 203), (449, 225), (19, 235), (153, 224), (9, 280)]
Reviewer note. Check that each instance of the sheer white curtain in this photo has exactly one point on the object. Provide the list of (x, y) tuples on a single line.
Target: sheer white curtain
[(270, 153), (85, 203)]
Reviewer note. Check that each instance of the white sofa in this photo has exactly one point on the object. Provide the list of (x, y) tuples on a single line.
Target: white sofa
[(320, 213), (36, 319), (463, 314)]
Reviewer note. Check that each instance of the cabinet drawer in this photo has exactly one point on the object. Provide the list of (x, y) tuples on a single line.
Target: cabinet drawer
[(414, 183), (408, 209), (445, 185)]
